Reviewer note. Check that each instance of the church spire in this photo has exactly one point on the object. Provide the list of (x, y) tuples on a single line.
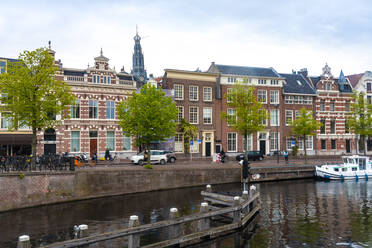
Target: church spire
[(138, 63)]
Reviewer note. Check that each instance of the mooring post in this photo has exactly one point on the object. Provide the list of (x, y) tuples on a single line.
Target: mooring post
[(236, 217), (252, 190), (24, 241), (204, 223), (209, 188), (245, 198), (83, 231), (133, 240), (174, 231)]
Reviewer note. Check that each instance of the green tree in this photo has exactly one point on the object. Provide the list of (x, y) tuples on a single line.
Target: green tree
[(31, 95), (247, 114), (189, 132), (149, 116), (304, 125), (359, 120)]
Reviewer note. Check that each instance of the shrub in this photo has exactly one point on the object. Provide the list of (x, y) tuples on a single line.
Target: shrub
[(148, 166), (21, 176)]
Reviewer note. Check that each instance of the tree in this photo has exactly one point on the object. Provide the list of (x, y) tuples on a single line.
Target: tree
[(359, 120), (246, 115), (32, 96), (304, 125), (189, 132), (149, 116)]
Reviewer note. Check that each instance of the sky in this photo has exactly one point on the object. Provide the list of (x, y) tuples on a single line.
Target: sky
[(284, 34)]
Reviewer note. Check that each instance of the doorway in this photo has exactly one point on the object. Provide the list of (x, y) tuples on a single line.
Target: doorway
[(207, 149), (348, 148), (93, 135), (263, 147), (218, 148)]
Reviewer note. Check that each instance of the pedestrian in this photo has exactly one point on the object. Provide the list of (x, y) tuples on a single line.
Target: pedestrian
[(107, 154), (285, 153), (222, 156)]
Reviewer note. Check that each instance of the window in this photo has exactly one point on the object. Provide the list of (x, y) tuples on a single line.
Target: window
[(96, 79), (347, 128), (274, 117), (333, 126), (93, 109), (274, 141), (323, 126), (309, 142), (110, 110), (274, 82), (369, 99), (231, 80), (332, 105), (207, 94), (308, 100), (262, 96), (288, 99), (231, 142), (264, 121), (297, 114), (178, 145), (232, 113), (288, 117), (2, 66), (180, 114), (207, 115), (195, 146), (194, 114), (324, 144), (347, 106), (228, 95), (127, 142), (110, 140), (261, 81), (193, 93), (274, 96), (248, 145), (368, 87), (288, 143), (333, 144), (106, 80), (5, 122), (322, 105), (75, 141), (178, 92), (329, 86), (75, 109)]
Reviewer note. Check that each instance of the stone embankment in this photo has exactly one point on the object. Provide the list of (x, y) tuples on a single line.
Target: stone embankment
[(40, 188)]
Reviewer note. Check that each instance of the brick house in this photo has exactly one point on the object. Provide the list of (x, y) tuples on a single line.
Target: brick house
[(195, 93)]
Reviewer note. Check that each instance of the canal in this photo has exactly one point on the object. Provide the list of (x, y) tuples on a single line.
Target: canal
[(301, 213)]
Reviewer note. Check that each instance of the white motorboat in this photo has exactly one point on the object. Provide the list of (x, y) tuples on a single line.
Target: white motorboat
[(354, 167)]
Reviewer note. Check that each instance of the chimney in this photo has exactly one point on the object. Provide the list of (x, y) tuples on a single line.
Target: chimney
[(304, 72)]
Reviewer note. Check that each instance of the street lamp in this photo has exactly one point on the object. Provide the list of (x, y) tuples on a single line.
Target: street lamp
[(277, 132)]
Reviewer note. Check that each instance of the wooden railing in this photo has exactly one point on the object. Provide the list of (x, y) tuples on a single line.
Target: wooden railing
[(239, 209)]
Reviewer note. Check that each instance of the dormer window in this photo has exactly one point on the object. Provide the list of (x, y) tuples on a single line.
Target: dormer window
[(231, 80), (107, 80), (96, 79), (274, 82)]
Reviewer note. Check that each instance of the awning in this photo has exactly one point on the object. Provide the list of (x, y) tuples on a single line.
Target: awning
[(15, 139)]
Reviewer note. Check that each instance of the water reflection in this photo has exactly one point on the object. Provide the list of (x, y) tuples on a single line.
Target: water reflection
[(294, 214)]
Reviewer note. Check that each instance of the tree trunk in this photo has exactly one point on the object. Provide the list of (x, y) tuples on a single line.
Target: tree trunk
[(148, 150), (305, 148), (33, 147), (364, 145)]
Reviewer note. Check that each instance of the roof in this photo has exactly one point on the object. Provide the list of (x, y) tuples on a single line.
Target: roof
[(247, 71), (296, 83), (124, 76), (315, 80), (8, 59), (354, 79), (74, 73)]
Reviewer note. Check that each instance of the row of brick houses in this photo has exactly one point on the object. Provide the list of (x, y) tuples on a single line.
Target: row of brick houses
[(200, 98)]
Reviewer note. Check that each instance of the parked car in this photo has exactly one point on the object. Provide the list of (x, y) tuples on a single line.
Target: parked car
[(171, 156), (156, 157), (252, 155)]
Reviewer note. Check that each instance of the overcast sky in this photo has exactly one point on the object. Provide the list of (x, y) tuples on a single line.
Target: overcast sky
[(285, 34)]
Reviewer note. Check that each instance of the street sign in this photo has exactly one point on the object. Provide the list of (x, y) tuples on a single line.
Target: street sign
[(293, 143), (191, 142), (199, 141)]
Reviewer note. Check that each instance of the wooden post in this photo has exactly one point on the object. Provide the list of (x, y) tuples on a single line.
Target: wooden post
[(245, 196), (209, 188), (24, 241), (204, 223), (174, 231), (236, 217), (133, 240)]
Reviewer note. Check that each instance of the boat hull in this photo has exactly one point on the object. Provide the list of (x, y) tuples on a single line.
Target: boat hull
[(342, 176)]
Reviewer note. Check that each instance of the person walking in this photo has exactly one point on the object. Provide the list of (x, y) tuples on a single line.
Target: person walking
[(107, 154), (285, 153)]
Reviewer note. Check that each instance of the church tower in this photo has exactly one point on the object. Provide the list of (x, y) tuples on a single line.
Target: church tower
[(138, 69)]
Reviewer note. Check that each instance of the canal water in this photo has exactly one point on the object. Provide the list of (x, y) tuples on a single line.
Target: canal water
[(298, 213)]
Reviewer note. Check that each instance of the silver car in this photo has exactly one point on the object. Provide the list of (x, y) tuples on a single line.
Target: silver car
[(156, 157)]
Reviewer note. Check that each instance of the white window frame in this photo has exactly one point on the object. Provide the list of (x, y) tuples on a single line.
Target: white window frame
[(287, 116), (277, 111), (125, 139), (178, 91), (73, 138), (231, 112), (228, 91), (207, 94), (274, 141), (191, 120), (111, 139), (263, 94), (110, 110), (193, 96), (274, 97), (178, 143), (204, 115), (74, 109), (233, 138), (181, 113), (264, 122), (249, 145)]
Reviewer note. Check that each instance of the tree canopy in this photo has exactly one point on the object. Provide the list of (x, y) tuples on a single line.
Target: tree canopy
[(148, 115), (304, 125), (359, 120), (31, 95), (189, 132), (246, 115)]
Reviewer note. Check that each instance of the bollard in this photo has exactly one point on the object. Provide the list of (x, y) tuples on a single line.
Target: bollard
[(174, 231), (245, 211), (83, 231), (252, 190), (24, 241), (133, 240), (209, 188), (204, 223), (236, 217), (245, 195)]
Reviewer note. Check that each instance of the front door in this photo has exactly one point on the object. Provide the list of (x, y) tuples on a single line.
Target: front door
[(218, 148), (207, 149), (49, 149), (93, 146), (348, 146), (263, 147)]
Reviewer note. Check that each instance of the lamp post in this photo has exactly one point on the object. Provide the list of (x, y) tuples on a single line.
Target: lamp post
[(277, 132)]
